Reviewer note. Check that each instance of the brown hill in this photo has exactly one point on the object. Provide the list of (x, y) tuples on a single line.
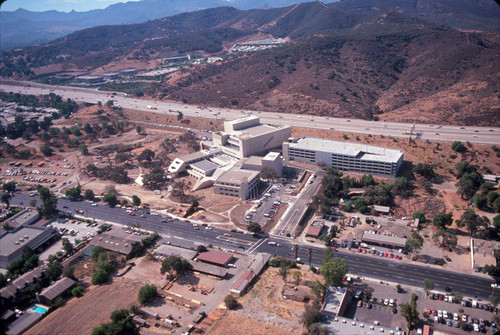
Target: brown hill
[(434, 76)]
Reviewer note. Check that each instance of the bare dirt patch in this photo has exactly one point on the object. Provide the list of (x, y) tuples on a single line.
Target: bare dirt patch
[(263, 309), (80, 316)]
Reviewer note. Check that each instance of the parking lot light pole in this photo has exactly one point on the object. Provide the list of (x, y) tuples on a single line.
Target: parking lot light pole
[(493, 287)]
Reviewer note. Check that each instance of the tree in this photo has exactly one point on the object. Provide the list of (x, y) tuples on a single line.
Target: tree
[(46, 149), (110, 189), (175, 264), (494, 301), (312, 315), (410, 313), (147, 293), (89, 195), (230, 302), (5, 198), (442, 220), (69, 271), (428, 285), (53, 270), (491, 196), (10, 186), (179, 116), (463, 168), (154, 179), (96, 251), (136, 201), (468, 185), (425, 170), (445, 238), (7, 227), (254, 227), (49, 202), (74, 193), (496, 223), (473, 222), (295, 249), (420, 215), (283, 271), (201, 248), (458, 146), (83, 148), (333, 271), (267, 173), (480, 200), (111, 199), (401, 186), (139, 130), (99, 276), (77, 291), (309, 255), (146, 155), (415, 242), (67, 246)]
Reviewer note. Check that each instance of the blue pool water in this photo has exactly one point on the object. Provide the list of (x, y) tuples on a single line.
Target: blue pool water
[(39, 309)]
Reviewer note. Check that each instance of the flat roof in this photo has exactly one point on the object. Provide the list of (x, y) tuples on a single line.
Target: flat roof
[(243, 119), (205, 165), (383, 209), (166, 249), (272, 155), (113, 243), (237, 175), (252, 131), (216, 257), (384, 239), (58, 288), (358, 150), (334, 298), (23, 322), (213, 270), (22, 235), (314, 231), (24, 216), (192, 156), (253, 160)]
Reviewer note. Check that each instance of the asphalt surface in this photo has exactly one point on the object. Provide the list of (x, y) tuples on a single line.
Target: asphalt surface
[(484, 135), (361, 265)]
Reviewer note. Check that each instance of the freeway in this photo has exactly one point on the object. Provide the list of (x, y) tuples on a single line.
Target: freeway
[(482, 135), (361, 265)]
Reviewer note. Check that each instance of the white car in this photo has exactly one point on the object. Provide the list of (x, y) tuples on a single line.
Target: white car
[(440, 313), (445, 314), (464, 317), (455, 316), (476, 328)]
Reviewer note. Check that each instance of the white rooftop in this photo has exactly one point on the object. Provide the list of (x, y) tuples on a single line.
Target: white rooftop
[(361, 151)]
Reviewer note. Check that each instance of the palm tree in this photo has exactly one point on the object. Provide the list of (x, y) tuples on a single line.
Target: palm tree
[(309, 255), (296, 250)]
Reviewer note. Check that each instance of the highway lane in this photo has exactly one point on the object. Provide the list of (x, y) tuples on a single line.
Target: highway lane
[(359, 264), (484, 135)]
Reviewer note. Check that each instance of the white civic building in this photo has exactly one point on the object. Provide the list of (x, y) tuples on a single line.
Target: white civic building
[(346, 156)]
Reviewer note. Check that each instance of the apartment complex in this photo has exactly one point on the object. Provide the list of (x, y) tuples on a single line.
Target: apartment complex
[(347, 156)]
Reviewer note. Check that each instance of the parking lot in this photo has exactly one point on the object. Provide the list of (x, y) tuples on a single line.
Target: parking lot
[(75, 230), (267, 206)]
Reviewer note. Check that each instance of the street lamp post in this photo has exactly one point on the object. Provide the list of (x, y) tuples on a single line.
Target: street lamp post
[(493, 287)]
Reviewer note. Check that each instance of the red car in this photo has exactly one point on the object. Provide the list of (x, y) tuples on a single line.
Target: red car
[(391, 256), (170, 220), (440, 297), (386, 254), (434, 312), (359, 249), (399, 257), (187, 221), (428, 311), (333, 248)]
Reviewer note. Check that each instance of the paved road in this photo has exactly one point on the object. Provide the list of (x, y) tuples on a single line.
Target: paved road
[(359, 264), (484, 135)]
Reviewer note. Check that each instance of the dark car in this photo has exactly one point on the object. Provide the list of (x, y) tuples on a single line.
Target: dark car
[(369, 306)]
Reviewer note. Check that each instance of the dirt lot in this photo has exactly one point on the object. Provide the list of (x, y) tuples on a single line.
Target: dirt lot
[(80, 316), (263, 310)]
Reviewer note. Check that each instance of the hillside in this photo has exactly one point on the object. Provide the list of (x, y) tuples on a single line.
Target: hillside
[(382, 65)]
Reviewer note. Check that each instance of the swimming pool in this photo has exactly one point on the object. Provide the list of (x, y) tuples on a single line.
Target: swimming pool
[(39, 309)]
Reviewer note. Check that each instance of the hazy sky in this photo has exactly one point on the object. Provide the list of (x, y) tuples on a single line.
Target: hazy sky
[(60, 5)]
